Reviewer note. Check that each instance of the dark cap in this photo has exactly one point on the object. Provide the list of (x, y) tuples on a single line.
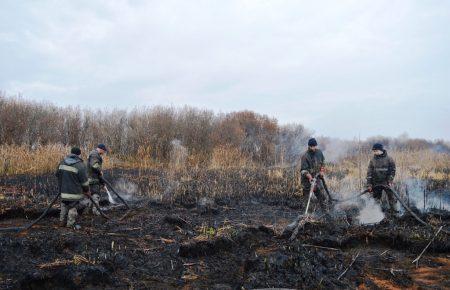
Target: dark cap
[(377, 146), (312, 142), (102, 146), (75, 150)]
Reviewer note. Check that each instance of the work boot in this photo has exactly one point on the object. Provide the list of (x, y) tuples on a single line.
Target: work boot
[(96, 199), (62, 224), (77, 227), (72, 217)]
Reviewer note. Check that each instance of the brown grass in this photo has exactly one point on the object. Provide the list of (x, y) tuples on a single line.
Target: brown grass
[(350, 174), (42, 159), (229, 157), (345, 176), (23, 160)]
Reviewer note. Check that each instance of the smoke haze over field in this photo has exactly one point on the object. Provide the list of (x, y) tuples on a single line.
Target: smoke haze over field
[(341, 68)]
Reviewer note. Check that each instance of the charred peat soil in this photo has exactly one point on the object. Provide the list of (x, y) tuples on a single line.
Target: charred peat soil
[(226, 242)]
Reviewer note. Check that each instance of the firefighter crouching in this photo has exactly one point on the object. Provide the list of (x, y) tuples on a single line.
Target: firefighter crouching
[(96, 182), (73, 187)]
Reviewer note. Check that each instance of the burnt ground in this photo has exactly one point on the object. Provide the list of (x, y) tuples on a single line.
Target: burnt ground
[(220, 243)]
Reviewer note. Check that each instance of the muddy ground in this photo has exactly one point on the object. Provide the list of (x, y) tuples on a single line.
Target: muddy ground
[(226, 242)]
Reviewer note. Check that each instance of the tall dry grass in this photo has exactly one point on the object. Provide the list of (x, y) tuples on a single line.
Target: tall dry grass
[(229, 157), (22, 159), (349, 175)]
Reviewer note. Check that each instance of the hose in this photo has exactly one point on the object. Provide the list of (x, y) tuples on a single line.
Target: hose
[(409, 209), (115, 192), (98, 208), (351, 198), (20, 229)]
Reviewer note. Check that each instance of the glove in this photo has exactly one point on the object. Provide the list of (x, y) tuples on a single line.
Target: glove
[(322, 170)]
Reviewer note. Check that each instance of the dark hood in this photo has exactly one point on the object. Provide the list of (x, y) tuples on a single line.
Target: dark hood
[(72, 159)]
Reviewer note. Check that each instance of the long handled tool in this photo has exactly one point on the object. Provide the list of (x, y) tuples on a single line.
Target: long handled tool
[(313, 185), (294, 226), (326, 188)]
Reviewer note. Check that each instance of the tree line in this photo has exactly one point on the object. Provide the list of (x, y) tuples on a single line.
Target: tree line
[(152, 130)]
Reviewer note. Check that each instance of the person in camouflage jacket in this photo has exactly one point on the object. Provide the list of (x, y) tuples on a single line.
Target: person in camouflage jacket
[(381, 171), (95, 173), (312, 166)]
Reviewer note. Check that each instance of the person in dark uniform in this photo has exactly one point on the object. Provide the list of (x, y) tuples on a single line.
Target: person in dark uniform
[(95, 173), (73, 187), (312, 166), (381, 171)]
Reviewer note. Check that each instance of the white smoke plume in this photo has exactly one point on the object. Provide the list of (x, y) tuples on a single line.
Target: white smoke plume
[(178, 155), (370, 212), (348, 189), (416, 195), (336, 149), (128, 190)]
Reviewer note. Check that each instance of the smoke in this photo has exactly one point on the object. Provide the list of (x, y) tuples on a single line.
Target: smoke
[(417, 195), (127, 190), (336, 149), (178, 160), (178, 155), (110, 197), (367, 208), (441, 148), (292, 142), (370, 212)]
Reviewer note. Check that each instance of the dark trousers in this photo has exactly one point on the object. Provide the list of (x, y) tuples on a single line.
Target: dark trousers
[(389, 209), (95, 190), (319, 192)]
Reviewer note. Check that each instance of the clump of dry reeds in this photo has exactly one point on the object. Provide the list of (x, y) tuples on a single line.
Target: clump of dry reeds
[(24, 160), (36, 160)]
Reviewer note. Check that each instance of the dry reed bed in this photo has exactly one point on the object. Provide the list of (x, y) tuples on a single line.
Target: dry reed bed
[(228, 173)]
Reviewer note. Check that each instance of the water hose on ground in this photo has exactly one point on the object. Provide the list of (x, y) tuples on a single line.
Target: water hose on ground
[(409, 209), (20, 229)]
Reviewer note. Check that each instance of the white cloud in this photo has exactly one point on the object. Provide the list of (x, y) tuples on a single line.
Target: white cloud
[(296, 60)]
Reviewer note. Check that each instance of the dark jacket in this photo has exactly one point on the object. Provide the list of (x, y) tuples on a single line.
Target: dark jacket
[(311, 163), (94, 165), (381, 170), (72, 178)]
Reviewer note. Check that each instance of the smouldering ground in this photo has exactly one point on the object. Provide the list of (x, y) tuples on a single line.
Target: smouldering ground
[(226, 245)]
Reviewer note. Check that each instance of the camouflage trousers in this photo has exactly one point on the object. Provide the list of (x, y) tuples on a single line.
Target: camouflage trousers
[(95, 193), (69, 211)]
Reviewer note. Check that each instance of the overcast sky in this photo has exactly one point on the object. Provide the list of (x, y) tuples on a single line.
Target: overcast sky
[(341, 68)]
